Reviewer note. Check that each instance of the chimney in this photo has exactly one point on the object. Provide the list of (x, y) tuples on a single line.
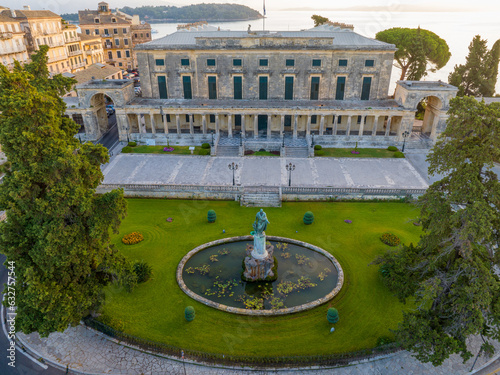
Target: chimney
[(13, 13), (26, 7)]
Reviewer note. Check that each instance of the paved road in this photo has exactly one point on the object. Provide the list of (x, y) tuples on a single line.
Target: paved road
[(111, 137), (24, 365)]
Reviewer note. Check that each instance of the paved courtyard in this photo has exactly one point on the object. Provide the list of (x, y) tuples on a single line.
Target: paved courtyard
[(266, 171)]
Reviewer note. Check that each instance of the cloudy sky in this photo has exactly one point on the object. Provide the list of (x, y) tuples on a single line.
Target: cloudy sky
[(71, 6)]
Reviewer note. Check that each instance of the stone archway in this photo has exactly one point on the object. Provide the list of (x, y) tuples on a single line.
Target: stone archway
[(104, 118), (426, 125)]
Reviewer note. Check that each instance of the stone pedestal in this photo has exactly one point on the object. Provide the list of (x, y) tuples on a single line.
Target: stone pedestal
[(259, 266)]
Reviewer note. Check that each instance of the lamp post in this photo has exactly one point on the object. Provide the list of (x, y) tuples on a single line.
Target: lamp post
[(405, 135), (212, 132), (290, 167), (162, 114), (233, 167)]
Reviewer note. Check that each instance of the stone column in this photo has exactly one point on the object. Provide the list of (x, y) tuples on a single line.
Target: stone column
[(255, 125), (191, 128), (230, 125), (139, 124), (122, 125), (282, 126), (217, 124), (322, 125), (243, 116), (335, 124), (165, 123), (375, 125), (152, 120), (348, 131), (269, 126), (435, 123), (204, 123), (388, 127), (295, 125), (178, 124), (362, 125), (308, 126)]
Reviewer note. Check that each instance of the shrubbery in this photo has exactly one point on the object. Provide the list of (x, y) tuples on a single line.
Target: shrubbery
[(189, 313), (5, 167), (398, 154), (319, 152), (392, 148), (132, 238), (390, 239), (317, 147), (127, 150), (132, 144), (332, 315), (308, 218), (143, 271), (204, 151), (205, 145), (211, 216)]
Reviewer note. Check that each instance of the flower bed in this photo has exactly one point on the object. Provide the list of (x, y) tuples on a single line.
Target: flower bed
[(390, 239), (168, 149), (132, 238)]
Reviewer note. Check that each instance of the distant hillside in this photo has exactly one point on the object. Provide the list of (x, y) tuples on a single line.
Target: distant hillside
[(190, 13)]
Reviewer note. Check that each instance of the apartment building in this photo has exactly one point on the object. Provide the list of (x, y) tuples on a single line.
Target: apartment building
[(74, 48), (92, 49), (12, 43)]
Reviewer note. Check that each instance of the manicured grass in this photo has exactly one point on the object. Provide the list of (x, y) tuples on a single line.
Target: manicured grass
[(262, 153), (363, 153), (178, 150), (155, 309)]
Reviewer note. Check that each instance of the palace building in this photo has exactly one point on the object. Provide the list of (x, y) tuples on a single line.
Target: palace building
[(261, 89)]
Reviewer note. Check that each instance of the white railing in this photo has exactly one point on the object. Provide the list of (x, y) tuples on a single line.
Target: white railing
[(74, 53)]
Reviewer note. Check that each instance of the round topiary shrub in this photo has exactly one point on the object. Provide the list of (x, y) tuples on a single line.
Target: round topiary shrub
[(390, 239), (318, 147), (308, 218), (132, 144), (332, 315), (398, 154), (205, 145), (127, 150), (189, 313), (143, 271), (392, 148), (211, 216), (132, 238)]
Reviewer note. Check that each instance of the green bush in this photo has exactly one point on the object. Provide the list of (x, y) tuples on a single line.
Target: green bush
[(384, 340), (205, 145), (143, 271), (189, 313), (127, 150), (390, 239), (319, 152), (204, 151), (211, 216), (317, 147), (308, 218), (132, 144), (5, 167), (398, 154), (392, 148), (332, 315)]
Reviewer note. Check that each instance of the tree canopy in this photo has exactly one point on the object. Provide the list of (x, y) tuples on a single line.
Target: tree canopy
[(57, 230), (319, 20), (478, 77), (450, 272), (419, 51)]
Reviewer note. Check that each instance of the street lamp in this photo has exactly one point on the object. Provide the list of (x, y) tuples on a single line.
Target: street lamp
[(211, 131), (405, 135), (233, 167), (290, 167), (162, 114)]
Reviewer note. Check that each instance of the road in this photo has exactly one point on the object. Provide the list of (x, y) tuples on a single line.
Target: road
[(111, 137), (23, 365)]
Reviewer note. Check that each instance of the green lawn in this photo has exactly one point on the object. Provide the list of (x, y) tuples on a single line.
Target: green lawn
[(155, 310), (262, 153), (178, 150), (363, 153)]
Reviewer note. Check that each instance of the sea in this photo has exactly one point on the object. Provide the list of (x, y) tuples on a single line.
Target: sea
[(457, 28)]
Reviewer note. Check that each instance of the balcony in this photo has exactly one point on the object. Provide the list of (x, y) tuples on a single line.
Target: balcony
[(4, 36), (57, 58), (72, 39), (79, 65), (74, 53), (56, 44)]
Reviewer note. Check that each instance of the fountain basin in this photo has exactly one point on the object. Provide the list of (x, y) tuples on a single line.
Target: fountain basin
[(307, 277)]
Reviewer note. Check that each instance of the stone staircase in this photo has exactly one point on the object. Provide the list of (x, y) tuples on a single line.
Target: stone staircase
[(296, 152), (228, 150), (261, 197)]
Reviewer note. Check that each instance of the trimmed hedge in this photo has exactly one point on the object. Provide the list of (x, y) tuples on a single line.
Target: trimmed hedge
[(317, 147), (189, 313), (332, 315), (132, 144), (205, 145), (211, 216), (308, 218), (126, 150), (392, 148), (398, 154)]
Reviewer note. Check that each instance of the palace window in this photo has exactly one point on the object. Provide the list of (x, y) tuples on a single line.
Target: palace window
[(369, 63), (290, 62), (343, 62), (238, 89), (236, 62), (185, 62), (160, 62), (162, 87), (210, 62), (288, 88), (186, 84), (339, 95), (316, 62), (212, 87), (365, 91), (263, 88), (314, 88), (263, 62)]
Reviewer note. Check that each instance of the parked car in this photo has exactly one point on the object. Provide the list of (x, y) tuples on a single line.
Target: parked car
[(110, 108)]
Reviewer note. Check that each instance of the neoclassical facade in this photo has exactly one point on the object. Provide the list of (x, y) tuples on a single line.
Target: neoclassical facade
[(326, 85)]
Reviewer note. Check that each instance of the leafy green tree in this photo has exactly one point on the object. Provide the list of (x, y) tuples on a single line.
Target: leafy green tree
[(418, 51), (57, 232), (450, 273), (319, 20), (478, 76)]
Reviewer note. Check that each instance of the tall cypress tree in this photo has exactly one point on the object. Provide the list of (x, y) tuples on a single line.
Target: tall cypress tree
[(57, 231)]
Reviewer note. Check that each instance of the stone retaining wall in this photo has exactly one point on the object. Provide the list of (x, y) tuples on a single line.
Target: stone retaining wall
[(236, 310)]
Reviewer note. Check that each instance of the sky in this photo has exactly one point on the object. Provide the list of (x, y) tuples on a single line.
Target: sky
[(71, 6)]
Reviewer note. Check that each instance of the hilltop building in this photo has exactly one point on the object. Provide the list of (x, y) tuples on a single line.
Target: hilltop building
[(12, 43), (272, 90)]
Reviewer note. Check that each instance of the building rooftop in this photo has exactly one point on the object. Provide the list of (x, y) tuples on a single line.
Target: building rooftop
[(95, 71), (427, 85), (204, 36), (488, 100), (87, 17), (36, 14), (105, 84)]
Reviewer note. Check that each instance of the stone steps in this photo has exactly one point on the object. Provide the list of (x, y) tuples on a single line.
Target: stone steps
[(260, 200), (296, 152), (228, 150)]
